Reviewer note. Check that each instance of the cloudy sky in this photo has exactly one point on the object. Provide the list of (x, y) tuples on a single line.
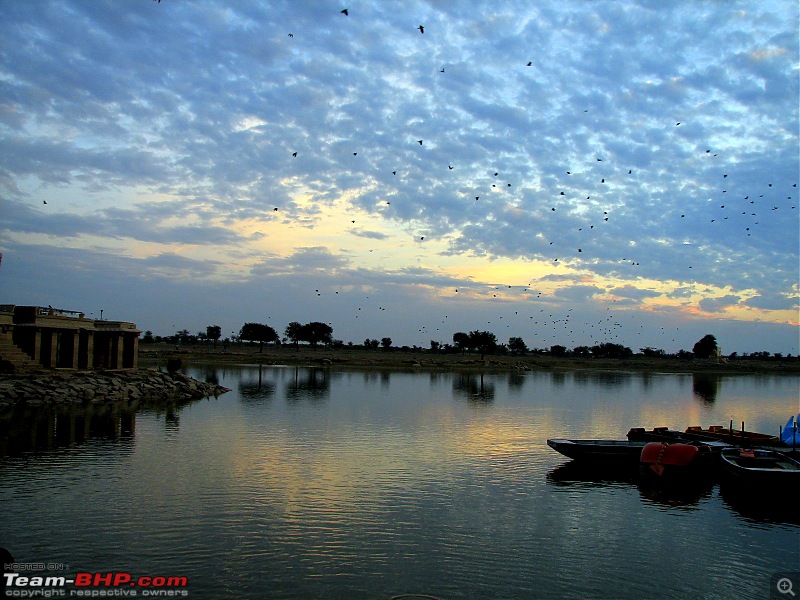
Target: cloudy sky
[(568, 172)]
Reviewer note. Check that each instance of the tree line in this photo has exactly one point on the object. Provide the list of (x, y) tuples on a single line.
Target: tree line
[(483, 342)]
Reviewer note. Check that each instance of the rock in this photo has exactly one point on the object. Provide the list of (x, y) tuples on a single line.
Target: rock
[(98, 387)]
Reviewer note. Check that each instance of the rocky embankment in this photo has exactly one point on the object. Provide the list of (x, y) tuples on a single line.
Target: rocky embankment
[(78, 387)]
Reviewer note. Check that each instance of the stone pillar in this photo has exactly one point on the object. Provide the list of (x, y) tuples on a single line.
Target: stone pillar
[(54, 339), (37, 346), (76, 339), (90, 349), (135, 342), (120, 348)]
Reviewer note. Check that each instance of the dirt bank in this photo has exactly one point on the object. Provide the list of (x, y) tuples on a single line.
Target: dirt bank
[(360, 358)]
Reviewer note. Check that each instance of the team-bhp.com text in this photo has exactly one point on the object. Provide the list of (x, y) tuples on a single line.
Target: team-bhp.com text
[(95, 585)]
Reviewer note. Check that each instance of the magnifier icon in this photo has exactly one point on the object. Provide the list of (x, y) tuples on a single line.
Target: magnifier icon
[(784, 586)]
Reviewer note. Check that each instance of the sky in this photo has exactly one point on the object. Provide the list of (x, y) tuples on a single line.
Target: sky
[(567, 172)]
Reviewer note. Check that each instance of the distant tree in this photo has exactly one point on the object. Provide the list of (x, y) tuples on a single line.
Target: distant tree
[(461, 341), (214, 332), (706, 347), (435, 346), (558, 350), (147, 338), (582, 351), (651, 352), (316, 332), (294, 331), (483, 341), (386, 343), (370, 344), (608, 350), (258, 332), (517, 345)]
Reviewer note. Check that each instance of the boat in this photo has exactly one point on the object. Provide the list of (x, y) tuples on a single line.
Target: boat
[(715, 437), (760, 470), (732, 436), (607, 451), (651, 457)]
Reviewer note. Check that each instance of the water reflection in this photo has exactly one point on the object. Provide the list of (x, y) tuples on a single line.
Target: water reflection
[(604, 379), (34, 429), (309, 384), (475, 388), (683, 493), (258, 390), (757, 507), (706, 386)]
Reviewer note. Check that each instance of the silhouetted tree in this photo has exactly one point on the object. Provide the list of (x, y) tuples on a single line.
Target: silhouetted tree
[(258, 332), (517, 345), (651, 352), (706, 347), (214, 332), (461, 341), (316, 332), (386, 343), (294, 331), (484, 341), (608, 350), (558, 350)]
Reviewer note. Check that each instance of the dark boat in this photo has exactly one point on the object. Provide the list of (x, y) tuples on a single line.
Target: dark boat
[(716, 438), (607, 451), (732, 436), (651, 458), (762, 470)]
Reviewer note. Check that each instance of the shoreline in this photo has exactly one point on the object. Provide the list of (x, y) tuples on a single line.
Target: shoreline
[(157, 355)]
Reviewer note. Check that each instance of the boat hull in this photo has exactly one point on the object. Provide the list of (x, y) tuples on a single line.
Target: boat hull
[(611, 452)]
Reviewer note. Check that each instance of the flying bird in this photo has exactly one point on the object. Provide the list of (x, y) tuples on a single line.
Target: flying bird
[(344, 12), (421, 29)]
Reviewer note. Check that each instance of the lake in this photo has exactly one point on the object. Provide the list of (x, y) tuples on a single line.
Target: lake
[(320, 483)]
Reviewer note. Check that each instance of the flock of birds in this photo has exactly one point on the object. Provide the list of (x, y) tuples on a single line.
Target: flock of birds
[(747, 210)]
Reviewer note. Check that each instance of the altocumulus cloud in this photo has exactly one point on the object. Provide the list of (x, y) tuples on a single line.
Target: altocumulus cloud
[(634, 151)]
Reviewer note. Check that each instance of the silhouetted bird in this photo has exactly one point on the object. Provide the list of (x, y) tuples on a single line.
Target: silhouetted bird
[(344, 12), (421, 29)]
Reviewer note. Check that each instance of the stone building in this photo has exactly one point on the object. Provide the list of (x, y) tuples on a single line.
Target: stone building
[(35, 337)]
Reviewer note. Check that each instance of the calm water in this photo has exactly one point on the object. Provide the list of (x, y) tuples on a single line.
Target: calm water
[(304, 483)]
